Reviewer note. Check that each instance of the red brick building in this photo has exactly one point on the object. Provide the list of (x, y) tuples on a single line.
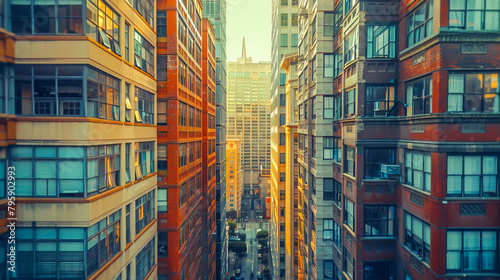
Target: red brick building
[(416, 188), (186, 166)]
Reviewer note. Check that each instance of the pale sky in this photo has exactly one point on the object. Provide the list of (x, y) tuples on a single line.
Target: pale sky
[(250, 19)]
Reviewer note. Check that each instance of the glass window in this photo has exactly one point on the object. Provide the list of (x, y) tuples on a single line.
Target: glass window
[(419, 97), (350, 103), (473, 92), (379, 100), (472, 175), (144, 106), (145, 260), (144, 53), (349, 216), (282, 79), (351, 46), (332, 148), (103, 95), (162, 200), (379, 220), (284, 40), (144, 159), (103, 242), (328, 229), (328, 24), (349, 166), (146, 9), (103, 168), (381, 41), (471, 251), (162, 244), (374, 158), (103, 24), (379, 270), (284, 20), (328, 65), (419, 24), (474, 14), (418, 237), (349, 262), (295, 40), (418, 170), (127, 41), (144, 211), (338, 17)]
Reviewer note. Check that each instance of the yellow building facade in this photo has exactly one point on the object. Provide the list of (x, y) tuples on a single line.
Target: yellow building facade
[(234, 175)]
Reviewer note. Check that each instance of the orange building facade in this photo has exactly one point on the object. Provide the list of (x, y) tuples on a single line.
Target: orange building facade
[(186, 140)]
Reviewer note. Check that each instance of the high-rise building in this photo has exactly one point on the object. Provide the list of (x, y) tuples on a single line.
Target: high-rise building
[(235, 175), (285, 39), (186, 137), (315, 169), (79, 131), (248, 115), (408, 143), (215, 10), (295, 248)]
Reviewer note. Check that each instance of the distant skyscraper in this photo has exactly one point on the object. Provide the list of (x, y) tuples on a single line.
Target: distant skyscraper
[(215, 11), (248, 114), (285, 39)]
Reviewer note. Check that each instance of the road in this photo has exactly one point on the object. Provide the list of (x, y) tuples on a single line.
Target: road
[(251, 263)]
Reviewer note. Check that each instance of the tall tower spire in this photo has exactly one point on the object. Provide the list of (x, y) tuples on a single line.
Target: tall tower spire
[(243, 50)]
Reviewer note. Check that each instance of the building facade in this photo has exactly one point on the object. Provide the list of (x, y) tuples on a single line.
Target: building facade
[(78, 106), (186, 98), (235, 175), (248, 116), (215, 10), (409, 146), (284, 40)]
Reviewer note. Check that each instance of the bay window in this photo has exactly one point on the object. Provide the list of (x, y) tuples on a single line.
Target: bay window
[(418, 170), (472, 175), (351, 46), (381, 41), (374, 158), (473, 92), (103, 97), (418, 237), (419, 25), (471, 251)]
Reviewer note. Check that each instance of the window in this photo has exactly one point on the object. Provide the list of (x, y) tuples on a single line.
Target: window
[(419, 24), (282, 177), (284, 40), (144, 106), (182, 155), (349, 166), (162, 244), (144, 54), (313, 29), (295, 2), (144, 159), (418, 237), (284, 2), (418, 170), (295, 19), (282, 139), (103, 168), (145, 260), (37, 86), (332, 148), (328, 24), (419, 97), (351, 47), (182, 113), (100, 252), (339, 66), (328, 229), (313, 66), (161, 68), (472, 175), (282, 119), (282, 158), (282, 79), (350, 103), (379, 270), (106, 30), (379, 100), (348, 259), (295, 40), (338, 17), (331, 107), (282, 99), (329, 64), (474, 15), (103, 96), (284, 20), (162, 200), (40, 248), (42, 15), (144, 211), (127, 41), (330, 189), (471, 251), (146, 9), (374, 158), (349, 214), (49, 171), (473, 92), (379, 220), (161, 24), (337, 236), (381, 41), (127, 224)]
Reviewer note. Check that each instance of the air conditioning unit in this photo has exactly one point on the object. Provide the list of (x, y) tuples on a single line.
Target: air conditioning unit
[(376, 106), (390, 169)]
